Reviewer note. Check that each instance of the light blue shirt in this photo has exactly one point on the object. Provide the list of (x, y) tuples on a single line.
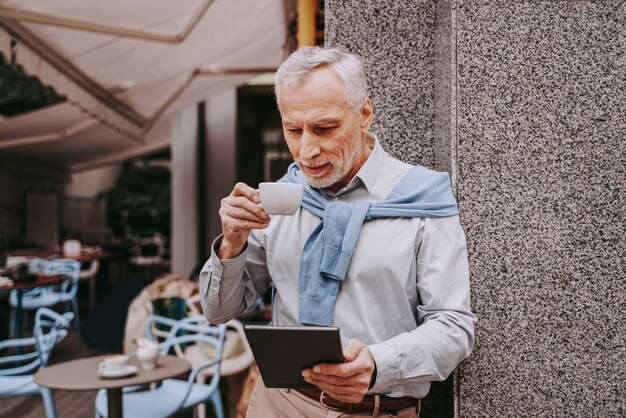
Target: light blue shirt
[(406, 291)]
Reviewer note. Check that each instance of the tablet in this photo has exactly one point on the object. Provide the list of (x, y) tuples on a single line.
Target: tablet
[(283, 352)]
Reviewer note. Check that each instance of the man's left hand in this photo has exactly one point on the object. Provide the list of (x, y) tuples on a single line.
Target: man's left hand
[(346, 382)]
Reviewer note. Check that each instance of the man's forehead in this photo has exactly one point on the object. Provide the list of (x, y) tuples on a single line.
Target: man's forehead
[(321, 120)]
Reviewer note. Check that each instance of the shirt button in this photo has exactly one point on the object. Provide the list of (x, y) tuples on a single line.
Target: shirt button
[(335, 199)]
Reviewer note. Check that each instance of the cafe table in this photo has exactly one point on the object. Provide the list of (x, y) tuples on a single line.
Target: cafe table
[(83, 256), (82, 374), (102, 257), (42, 280)]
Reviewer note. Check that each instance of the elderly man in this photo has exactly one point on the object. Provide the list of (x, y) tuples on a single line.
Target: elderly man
[(376, 249)]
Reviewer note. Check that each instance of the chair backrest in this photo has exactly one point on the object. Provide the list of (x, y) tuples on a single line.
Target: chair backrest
[(65, 266), (50, 328), (37, 265), (194, 332)]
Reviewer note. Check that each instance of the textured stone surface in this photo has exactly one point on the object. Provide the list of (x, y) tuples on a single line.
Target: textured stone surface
[(541, 185), (396, 41), (525, 103), (445, 89)]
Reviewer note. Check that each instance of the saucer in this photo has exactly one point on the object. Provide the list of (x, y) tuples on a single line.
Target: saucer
[(129, 370)]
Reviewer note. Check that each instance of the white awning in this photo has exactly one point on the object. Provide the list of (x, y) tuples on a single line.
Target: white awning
[(125, 66)]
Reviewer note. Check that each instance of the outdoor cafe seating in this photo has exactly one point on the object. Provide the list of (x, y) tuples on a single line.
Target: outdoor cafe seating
[(173, 395), (24, 356), (48, 296)]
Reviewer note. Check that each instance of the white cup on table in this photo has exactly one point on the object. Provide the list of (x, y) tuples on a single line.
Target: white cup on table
[(147, 353), (114, 364), (72, 248)]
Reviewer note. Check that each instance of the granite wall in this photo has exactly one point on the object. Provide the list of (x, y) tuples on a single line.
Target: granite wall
[(541, 183), (396, 41), (524, 102)]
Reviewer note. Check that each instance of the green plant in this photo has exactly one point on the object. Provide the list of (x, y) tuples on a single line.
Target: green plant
[(20, 92), (139, 204)]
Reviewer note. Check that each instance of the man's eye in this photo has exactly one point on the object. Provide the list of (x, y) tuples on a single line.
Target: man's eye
[(324, 129), (294, 131)]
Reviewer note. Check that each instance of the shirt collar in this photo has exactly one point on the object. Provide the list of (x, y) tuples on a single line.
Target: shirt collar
[(370, 169), (368, 172)]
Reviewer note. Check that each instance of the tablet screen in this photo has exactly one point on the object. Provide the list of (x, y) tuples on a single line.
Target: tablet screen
[(283, 352)]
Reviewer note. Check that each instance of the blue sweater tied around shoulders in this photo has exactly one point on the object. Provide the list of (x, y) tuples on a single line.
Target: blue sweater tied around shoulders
[(421, 193)]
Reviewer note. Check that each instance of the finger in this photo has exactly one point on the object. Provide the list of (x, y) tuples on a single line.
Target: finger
[(242, 225), (355, 387), (341, 393), (247, 204), (350, 353), (237, 214), (344, 370), (245, 221), (331, 388), (234, 218), (242, 189), (315, 378), (352, 349), (359, 360)]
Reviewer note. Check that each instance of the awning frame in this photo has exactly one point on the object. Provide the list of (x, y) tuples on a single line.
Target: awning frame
[(89, 26), (101, 105), (136, 126)]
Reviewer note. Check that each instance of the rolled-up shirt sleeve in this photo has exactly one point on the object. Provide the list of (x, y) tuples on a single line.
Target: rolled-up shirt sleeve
[(445, 332), (229, 287)]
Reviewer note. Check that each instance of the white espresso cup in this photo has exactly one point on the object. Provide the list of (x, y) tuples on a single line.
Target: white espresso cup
[(114, 364), (280, 198)]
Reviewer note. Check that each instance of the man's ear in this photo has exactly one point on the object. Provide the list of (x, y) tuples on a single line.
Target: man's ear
[(367, 113)]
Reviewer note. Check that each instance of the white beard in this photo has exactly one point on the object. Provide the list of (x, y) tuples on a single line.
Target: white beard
[(340, 169)]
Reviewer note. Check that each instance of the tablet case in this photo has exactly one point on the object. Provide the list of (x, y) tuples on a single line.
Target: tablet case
[(283, 352)]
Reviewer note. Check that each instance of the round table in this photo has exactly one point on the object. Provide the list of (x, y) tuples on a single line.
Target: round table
[(82, 374)]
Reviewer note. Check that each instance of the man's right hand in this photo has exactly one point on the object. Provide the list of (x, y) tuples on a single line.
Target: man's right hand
[(240, 213)]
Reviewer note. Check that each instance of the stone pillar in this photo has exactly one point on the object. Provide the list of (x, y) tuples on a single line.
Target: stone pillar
[(542, 175), (524, 102), (184, 191), (221, 116)]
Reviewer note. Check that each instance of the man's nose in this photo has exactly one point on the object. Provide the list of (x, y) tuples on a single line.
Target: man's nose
[(309, 147)]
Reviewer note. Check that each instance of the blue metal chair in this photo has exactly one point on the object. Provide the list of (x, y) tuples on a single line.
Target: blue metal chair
[(16, 371), (66, 294), (173, 395)]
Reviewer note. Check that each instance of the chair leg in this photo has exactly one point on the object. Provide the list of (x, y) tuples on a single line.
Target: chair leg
[(24, 322), (76, 316), (216, 400), (92, 292), (48, 403), (201, 410), (12, 323)]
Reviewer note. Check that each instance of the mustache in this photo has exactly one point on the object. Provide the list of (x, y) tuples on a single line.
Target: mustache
[(312, 163)]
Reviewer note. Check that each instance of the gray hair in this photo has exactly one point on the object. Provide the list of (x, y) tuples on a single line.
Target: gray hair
[(303, 61)]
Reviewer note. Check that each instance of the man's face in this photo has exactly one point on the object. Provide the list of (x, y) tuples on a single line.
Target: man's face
[(324, 132)]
